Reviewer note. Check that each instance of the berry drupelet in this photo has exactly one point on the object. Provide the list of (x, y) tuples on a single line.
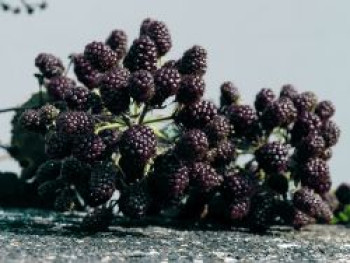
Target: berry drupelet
[(193, 61), (78, 98), (192, 146), (85, 72), (203, 178), (272, 157), (141, 86), (31, 120), (89, 148), (72, 123), (264, 97), (229, 94), (288, 91), (217, 129), (49, 65), (118, 42), (101, 56), (242, 117), (191, 89), (57, 145), (305, 101), (239, 209), (57, 86), (306, 123), (48, 113), (330, 132), (325, 110), (312, 145), (98, 220), (238, 185), (222, 154)]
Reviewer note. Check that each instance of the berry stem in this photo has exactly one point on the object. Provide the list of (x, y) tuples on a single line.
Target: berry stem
[(143, 114), (109, 126), (15, 109), (159, 119), (126, 120)]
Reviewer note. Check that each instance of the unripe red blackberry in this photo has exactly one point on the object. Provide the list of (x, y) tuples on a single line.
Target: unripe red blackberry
[(242, 117), (57, 145), (57, 86), (114, 90), (217, 129), (138, 143), (191, 89), (141, 86), (278, 183), (48, 171), (74, 123), (325, 109), (85, 72), (229, 94), (111, 139), (132, 171), (272, 157), (142, 55), (193, 61), (203, 178), (312, 145), (134, 201), (159, 33), (263, 99), (222, 154), (48, 113), (196, 115), (78, 98), (72, 170), (66, 200), (238, 185), (343, 193), (239, 209), (330, 132), (102, 183), (98, 220), (49, 65), (167, 82), (101, 56), (305, 124), (31, 121), (89, 148), (305, 101), (288, 91), (118, 42), (192, 146), (301, 219)]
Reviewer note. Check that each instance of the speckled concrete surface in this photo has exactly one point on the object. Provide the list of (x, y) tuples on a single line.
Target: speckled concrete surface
[(37, 236)]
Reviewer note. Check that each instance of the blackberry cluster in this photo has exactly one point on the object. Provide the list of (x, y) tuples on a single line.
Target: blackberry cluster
[(231, 163)]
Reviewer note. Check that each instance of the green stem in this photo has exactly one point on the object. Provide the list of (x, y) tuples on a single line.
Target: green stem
[(126, 120), (109, 126), (159, 120), (143, 114)]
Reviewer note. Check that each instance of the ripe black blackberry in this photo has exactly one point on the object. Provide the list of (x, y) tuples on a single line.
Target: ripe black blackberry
[(141, 86), (191, 89), (204, 178), (85, 72), (170, 64), (66, 200), (330, 133), (57, 86), (138, 143), (49, 170), (196, 115), (272, 157), (300, 219), (192, 146), (101, 56), (78, 98), (118, 42), (325, 110), (305, 101), (142, 55), (242, 117), (98, 220), (238, 185), (239, 209), (312, 145), (306, 123), (89, 148), (193, 61), (264, 97), (229, 94), (343, 193), (288, 91), (48, 113), (49, 65), (278, 183), (114, 90), (102, 183), (132, 171), (32, 121), (222, 154), (74, 123), (315, 175), (167, 82), (159, 33), (134, 201), (57, 145), (111, 139), (217, 129), (73, 170)]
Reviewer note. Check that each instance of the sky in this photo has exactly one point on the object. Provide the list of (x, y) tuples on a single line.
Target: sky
[(255, 44)]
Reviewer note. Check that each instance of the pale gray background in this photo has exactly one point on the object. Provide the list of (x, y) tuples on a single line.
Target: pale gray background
[(253, 43)]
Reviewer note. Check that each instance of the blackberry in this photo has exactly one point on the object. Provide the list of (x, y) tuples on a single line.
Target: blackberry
[(114, 90), (315, 175), (305, 101), (242, 117), (218, 129), (78, 98), (118, 42), (49, 190), (134, 201), (138, 143), (49, 170), (264, 98), (326, 154), (288, 91), (272, 157), (102, 183), (191, 89), (57, 145), (196, 115), (133, 171), (278, 183), (31, 121), (306, 123), (98, 220), (238, 185), (101, 56), (222, 154), (239, 209), (57, 86), (312, 204), (74, 123), (49, 65), (65, 200), (89, 148), (325, 110), (142, 55), (330, 132), (159, 33), (111, 139), (204, 178), (73, 170), (167, 82), (300, 219), (48, 113), (229, 94), (85, 72), (144, 25), (312, 145), (192, 146), (141, 86), (170, 64), (193, 61), (96, 103), (343, 193)]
